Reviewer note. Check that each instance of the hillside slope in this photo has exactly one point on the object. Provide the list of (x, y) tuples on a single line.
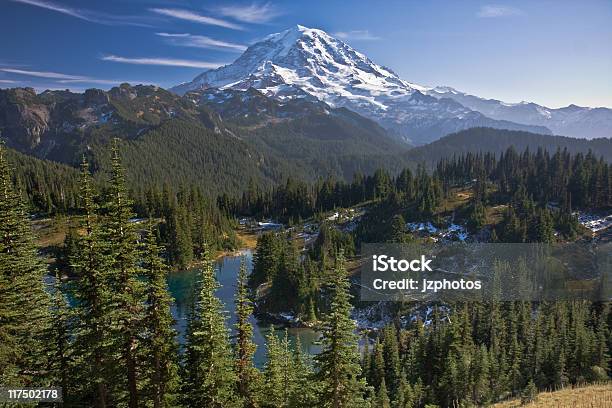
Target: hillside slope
[(594, 396), (498, 140), (218, 140)]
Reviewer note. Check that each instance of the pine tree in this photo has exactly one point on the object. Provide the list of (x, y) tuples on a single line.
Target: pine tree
[(160, 344), (530, 393), (404, 397), (128, 293), (92, 296), (248, 375), (479, 373), (304, 394), (61, 354), (24, 317), (277, 373), (208, 380), (338, 363), (382, 398), (378, 365), (392, 358)]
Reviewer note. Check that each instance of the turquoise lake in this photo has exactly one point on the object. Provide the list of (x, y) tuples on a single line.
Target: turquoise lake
[(181, 286)]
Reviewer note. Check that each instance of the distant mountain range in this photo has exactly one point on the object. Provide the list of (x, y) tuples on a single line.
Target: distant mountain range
[(299, 103), (225, 139), (574, 121), (219, 139), (306, 63)]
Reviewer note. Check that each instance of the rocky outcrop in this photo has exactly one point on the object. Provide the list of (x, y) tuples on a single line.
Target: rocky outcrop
[(23, 119)]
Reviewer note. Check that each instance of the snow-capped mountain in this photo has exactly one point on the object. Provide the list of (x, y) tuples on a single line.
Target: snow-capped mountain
[(575, 121), (308, 63)]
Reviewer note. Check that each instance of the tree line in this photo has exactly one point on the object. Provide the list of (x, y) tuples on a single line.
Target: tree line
[(296, 200), (477, 353), (576, 181)]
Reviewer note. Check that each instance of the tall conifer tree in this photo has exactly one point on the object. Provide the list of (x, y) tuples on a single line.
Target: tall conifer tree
[(92, 296), (248, 376), (60, 333), (209, 380), (338, 364), (24, 317), (128, 293), (277, 373), (161, 346)]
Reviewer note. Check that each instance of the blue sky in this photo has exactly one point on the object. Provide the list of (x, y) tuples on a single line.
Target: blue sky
[(550, 52)]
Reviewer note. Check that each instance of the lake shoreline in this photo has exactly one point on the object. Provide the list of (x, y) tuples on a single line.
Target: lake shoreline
[(181, 283)]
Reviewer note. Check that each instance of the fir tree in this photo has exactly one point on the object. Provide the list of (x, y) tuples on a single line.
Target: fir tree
[(208, 380), (382, 398), (128, 294), (479, 372), (398, 230), (247, 374), (61, 356), (404, 397), (392, 358), (92, 302), (529, 394), (24, 317), (277, 373), (342, 385), (304, 394), (160, 344)]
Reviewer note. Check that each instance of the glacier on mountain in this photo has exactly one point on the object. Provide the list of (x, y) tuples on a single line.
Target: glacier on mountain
[(307, 63)]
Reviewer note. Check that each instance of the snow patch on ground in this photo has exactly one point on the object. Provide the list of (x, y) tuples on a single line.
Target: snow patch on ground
[(372, 317), (594, 222), (421, 226), (454, 232)]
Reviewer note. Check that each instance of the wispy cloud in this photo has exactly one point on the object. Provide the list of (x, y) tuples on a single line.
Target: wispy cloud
[(257, 13), (495, 10), (87, 15), (359, 35), (55, 7), (100, 81), (162, 61), (7, 81), (200, 41), (62, 78), (43, 74), (196, 18)]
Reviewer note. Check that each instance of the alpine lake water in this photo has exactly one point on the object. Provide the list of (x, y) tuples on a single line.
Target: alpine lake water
[(182, 283)]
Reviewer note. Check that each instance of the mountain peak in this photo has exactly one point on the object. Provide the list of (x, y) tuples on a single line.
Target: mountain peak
[(300, 30), (303, 60), (308, 63)]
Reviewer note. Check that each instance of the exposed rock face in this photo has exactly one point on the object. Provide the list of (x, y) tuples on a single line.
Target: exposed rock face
[(53, 124), (23, 119), (93, 97)]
